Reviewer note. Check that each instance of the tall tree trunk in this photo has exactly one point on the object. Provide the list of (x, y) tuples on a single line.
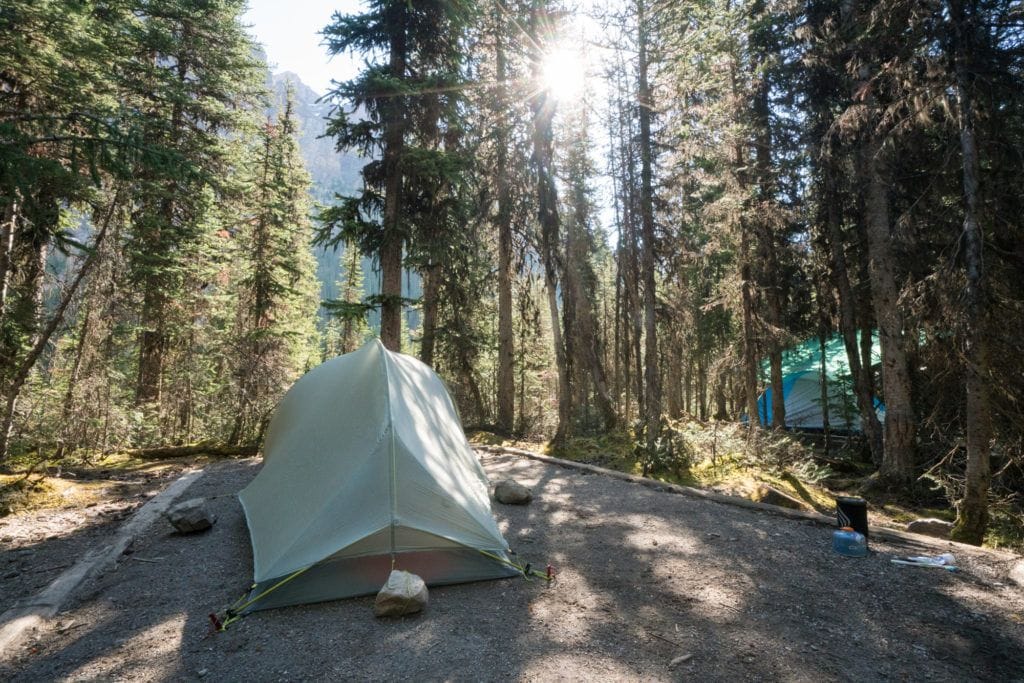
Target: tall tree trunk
[(391, 243), (749, 332), (543, 106), (67, 405), (506, 351), (8, 228), (869, 422), (972, 513), (900, 422), (431, 284), (652, 378), (770, 272), (152, 344)]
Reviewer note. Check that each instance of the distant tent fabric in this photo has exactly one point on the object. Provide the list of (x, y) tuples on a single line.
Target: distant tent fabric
[(366, 465), (801, 386)]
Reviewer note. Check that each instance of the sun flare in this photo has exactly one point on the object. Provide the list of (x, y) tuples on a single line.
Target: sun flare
[(564, 73)]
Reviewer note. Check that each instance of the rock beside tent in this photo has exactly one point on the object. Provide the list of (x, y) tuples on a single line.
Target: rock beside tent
[(938, 528), (512, 493), (191, 516), (404, 593)]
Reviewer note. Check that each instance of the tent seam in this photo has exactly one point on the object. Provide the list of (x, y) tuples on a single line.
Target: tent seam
[(391, 449)]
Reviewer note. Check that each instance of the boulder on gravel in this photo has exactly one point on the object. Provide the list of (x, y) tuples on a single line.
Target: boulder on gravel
[(191, 516), (404, 593), (512, 493), (1017, 573), (938, 528), (771, 495)]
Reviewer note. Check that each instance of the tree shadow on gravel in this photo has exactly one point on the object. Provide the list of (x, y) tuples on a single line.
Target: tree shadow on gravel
[(644, 577)]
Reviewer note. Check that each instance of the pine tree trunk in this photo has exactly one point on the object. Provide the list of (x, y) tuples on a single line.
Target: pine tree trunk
[(543, 107), (8, 227), (900, 423), (152, 343), (391, 243), (431, 275), (869, 422), (69, 393), (749, 332), (972, 513), (652, 378), (506, 350), (771, 276)]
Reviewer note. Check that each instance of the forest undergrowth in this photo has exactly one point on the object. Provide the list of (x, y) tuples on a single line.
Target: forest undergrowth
[(728, 458)]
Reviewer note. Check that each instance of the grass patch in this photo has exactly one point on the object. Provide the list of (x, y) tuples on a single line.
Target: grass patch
[(19, 493)]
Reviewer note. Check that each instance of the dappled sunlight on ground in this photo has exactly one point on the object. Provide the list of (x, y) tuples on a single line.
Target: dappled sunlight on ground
[(155, 649), (643, 577)]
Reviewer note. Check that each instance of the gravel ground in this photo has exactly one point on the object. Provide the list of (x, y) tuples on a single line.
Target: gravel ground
[(36, 546), (645, 577)]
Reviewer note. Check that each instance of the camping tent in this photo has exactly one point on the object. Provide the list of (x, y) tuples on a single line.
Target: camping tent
[(367, 468), (801, 387)]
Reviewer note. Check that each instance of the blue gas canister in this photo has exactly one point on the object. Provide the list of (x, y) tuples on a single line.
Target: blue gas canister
[(850, 543)]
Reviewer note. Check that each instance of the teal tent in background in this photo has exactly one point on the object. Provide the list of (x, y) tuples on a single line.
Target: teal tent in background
[(801, 386)]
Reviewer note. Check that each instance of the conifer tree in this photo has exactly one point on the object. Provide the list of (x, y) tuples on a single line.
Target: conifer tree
[(389, 112), (196, 82), (278, 294), (348, 311)]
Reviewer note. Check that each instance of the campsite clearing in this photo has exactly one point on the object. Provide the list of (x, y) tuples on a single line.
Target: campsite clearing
[(645, 578)]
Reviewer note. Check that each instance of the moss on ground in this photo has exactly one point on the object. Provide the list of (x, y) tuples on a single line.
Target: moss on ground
[(30, 484)]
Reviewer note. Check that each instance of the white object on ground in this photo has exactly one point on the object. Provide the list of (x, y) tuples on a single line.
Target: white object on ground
[(943, 561)]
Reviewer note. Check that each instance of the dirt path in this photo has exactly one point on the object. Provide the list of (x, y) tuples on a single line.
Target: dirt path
[(36, 546), (645, 577)]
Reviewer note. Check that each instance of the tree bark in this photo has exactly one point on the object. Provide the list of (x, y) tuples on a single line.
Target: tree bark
[(900, 423), (431, 284), (506, 350), (771, 276), (392, 241), (652, 377), (972, 513), (869, 422), (8, 228), (543, 106), (749, 332)]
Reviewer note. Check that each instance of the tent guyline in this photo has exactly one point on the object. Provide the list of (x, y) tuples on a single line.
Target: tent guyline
[(237, 609)]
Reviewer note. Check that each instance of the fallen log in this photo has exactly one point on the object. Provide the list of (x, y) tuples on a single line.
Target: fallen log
[(214, 450)]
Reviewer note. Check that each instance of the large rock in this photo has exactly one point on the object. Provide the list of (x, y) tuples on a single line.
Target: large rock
[(190, 516), (404, 593), (930, 527), (768, 494), (1017, 573), (512, 493)]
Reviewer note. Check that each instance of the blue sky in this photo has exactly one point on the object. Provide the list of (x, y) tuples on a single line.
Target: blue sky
[(289, 31)]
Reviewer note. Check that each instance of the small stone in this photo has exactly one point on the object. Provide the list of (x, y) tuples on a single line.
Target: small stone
[(190, 516), (772, 496), (937, 528), (404, 593), (202, 672), (512, 493)]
